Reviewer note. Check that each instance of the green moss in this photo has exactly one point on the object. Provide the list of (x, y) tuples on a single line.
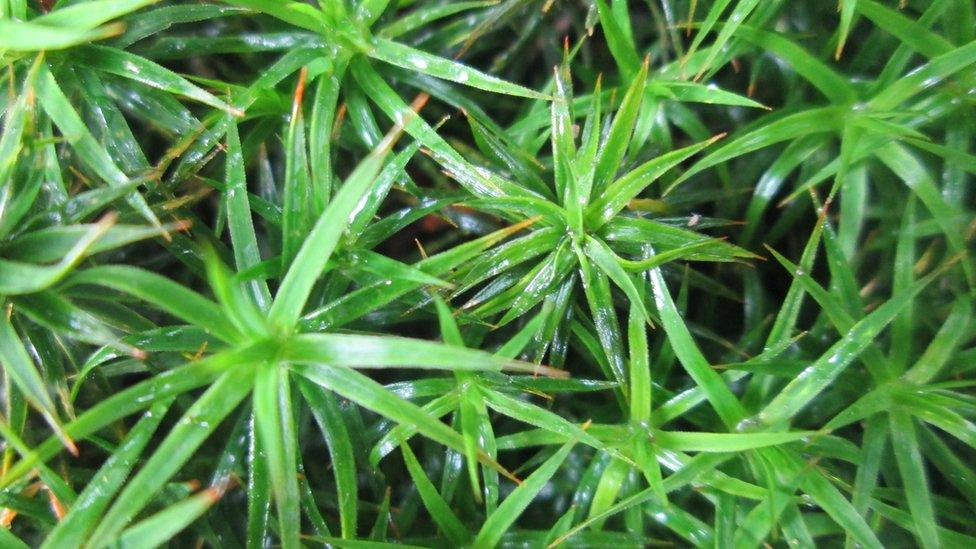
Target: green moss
[(503, 273)]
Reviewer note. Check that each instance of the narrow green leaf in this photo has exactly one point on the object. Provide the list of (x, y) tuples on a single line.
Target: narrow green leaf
[(479, 183), (604, 258), (56, 242), (945, 342), (596, 288), (292, 12), (31, 36), (196, 425), (607, 489), (641, 402), (512, 506), (320, 134), (833, 85), (91, 14), (545, 420), (786, 318), (872, 453), (74, 130), (906, 166), (273, 422), (439, 509), (413, 59), (618, 40), (162, 292), (924, 77), (16, 117), (424, 15), (297, 206), (18, 365), (620, 192), (368, 298), (563, 155), (373, 396), (706, 26), (714, 387), (709, 94), (615, 145), (317, 248), (239, 221), (327, 414), (84, 515), (724, 442), (742, 10), (791, 126), (912, 469), (258, 489), (158, 388), (391, 269), (819, 375), (162, 526), (847, 10), (911, 33), (140, 69), (367, 351), (829, 498), (383, 519), (24, 278)]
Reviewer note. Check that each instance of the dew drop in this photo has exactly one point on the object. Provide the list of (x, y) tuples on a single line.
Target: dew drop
[(746, 424)]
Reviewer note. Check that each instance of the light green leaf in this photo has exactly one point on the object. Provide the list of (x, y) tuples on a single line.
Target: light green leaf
[(516, 502), (413, 59)]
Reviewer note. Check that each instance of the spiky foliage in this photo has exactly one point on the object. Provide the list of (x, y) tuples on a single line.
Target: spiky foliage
[(505, 273)]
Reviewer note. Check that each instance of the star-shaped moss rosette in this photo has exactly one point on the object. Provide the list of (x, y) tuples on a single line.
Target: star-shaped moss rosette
[(257, 352), (585, 237)]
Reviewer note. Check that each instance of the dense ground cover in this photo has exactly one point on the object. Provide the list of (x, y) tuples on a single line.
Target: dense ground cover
[(512, 272)]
